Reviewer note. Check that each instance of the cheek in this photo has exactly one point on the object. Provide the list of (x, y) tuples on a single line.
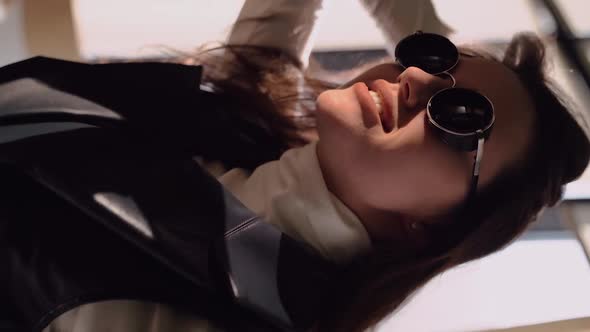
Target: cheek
[(444, 176), (444, 166), (417, 170)]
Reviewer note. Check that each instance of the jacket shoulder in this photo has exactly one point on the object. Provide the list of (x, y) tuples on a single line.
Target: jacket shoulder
[(143, 74), (34, 66)]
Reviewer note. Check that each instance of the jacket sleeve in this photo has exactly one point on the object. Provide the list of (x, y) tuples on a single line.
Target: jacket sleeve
[(399, 18), (287, 25)]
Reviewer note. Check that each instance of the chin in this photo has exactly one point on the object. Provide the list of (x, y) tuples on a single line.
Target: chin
[(339, 111), (329, 101)]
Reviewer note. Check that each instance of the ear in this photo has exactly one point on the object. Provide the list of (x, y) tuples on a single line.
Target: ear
[(422, 232), (400, 237), (417, 230)]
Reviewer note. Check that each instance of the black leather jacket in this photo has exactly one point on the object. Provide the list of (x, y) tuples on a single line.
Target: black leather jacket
[(100, 199)]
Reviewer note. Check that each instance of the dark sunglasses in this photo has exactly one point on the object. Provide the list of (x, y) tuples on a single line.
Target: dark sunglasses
[(462, 118)]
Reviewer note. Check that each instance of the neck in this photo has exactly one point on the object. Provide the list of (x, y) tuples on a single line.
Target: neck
[(291, 194)]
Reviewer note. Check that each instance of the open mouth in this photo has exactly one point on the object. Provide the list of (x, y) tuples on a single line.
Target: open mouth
[(379, 102)]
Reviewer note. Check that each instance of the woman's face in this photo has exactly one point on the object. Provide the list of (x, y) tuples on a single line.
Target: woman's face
[(391, 169)]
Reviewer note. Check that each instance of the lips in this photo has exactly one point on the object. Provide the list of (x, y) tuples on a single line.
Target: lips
[(370, 113), (378, 100), (383, 91)]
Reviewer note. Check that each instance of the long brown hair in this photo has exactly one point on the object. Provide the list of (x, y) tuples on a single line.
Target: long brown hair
[(274, 91)]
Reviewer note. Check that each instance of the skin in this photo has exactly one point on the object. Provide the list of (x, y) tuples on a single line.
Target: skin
[(408, 176)]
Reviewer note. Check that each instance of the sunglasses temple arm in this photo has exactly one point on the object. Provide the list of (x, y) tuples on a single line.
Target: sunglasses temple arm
[(475, 174)]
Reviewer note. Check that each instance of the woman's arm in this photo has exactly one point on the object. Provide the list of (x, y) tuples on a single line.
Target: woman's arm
[(399, 18), (287, 25)]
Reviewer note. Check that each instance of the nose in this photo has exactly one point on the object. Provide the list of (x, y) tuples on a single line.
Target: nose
[(417, 86)]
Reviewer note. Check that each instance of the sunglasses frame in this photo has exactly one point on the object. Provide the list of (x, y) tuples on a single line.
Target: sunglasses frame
[(472, 141), (420, 34)]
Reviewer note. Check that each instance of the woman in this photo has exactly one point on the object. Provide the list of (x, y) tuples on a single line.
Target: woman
[(394, 192), (407, 187)]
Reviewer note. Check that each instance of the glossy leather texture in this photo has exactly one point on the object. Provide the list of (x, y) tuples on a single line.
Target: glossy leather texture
[(101, 200)]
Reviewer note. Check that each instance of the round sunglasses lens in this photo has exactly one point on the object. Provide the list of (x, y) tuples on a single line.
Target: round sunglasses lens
[(430, 52), (461, 110)]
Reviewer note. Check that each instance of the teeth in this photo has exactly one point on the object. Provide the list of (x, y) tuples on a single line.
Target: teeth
[(377, 100)]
